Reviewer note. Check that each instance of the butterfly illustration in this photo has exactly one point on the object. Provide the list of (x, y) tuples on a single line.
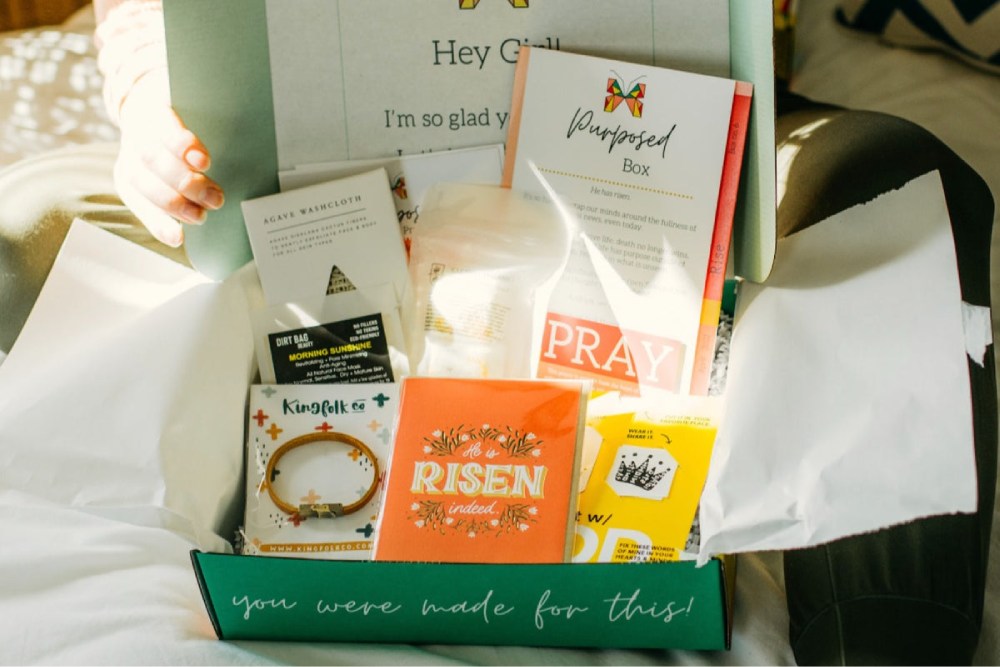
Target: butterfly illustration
[(399, 187), (617, 95)]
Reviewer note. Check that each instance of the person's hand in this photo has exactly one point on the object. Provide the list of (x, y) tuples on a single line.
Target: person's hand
[(160, 169)]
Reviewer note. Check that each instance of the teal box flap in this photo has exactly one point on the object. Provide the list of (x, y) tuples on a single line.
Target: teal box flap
[(751, 40), (650, 605), (222, 90)]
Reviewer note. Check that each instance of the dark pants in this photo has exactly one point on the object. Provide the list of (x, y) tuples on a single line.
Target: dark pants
[(911, 594)]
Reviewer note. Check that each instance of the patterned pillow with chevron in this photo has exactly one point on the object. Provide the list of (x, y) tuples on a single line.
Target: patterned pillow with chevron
[(969, 29)]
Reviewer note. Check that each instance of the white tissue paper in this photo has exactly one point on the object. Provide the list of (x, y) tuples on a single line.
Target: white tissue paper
[(848, 403), (124, 394)]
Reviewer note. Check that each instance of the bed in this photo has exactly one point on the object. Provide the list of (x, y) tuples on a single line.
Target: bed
[(88, 583)]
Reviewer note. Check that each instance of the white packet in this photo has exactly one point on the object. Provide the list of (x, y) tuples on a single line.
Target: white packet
[(344, 338), (481, 263)]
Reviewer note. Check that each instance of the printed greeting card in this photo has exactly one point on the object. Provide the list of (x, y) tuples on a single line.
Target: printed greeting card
[(642, 495), (316, 455), (483, 471), (647, 162), (327, 238)]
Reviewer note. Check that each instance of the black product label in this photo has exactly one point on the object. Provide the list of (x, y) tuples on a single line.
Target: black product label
[(347, 352)]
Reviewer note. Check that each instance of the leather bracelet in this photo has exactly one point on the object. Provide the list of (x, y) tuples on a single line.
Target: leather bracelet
[(321, 510)]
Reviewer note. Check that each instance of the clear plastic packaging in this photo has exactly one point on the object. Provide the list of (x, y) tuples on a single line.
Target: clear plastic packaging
[(482, 262)]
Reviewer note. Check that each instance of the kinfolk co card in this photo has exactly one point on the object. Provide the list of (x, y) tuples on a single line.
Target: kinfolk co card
[(315, 459)]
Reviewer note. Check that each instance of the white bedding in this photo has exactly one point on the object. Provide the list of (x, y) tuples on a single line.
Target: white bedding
[(86, 586)]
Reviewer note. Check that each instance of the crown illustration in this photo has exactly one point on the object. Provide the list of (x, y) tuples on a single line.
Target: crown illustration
[(642, 475)]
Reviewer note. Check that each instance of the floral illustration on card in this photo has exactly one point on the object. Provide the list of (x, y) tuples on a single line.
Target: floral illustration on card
[(514, 442), (513, 518)]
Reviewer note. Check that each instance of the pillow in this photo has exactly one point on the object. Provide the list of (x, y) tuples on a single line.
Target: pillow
[(969, 29)]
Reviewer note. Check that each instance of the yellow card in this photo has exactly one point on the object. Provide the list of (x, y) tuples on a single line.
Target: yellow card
[(643, 492)]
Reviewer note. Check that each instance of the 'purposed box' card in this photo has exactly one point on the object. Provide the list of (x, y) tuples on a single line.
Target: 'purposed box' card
[(327, 238), (315, 461), (644, 158)]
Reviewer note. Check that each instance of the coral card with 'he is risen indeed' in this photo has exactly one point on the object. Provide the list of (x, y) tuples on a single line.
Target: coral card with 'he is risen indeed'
[(483, 471)]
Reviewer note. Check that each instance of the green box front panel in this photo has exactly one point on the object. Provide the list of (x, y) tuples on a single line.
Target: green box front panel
[(661, 605)]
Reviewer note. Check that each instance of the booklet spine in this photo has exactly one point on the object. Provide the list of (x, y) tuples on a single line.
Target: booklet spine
[(725, 210)]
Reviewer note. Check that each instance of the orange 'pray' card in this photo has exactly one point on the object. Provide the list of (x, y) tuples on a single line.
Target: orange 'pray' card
[(483, 471)]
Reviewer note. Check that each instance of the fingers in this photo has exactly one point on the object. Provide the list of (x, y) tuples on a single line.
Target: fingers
[(166, 183), (171, 184), (160, 170), (162, 226), (182, 143)]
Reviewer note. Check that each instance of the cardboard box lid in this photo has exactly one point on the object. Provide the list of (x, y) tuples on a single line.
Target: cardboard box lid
[(220, 84)]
